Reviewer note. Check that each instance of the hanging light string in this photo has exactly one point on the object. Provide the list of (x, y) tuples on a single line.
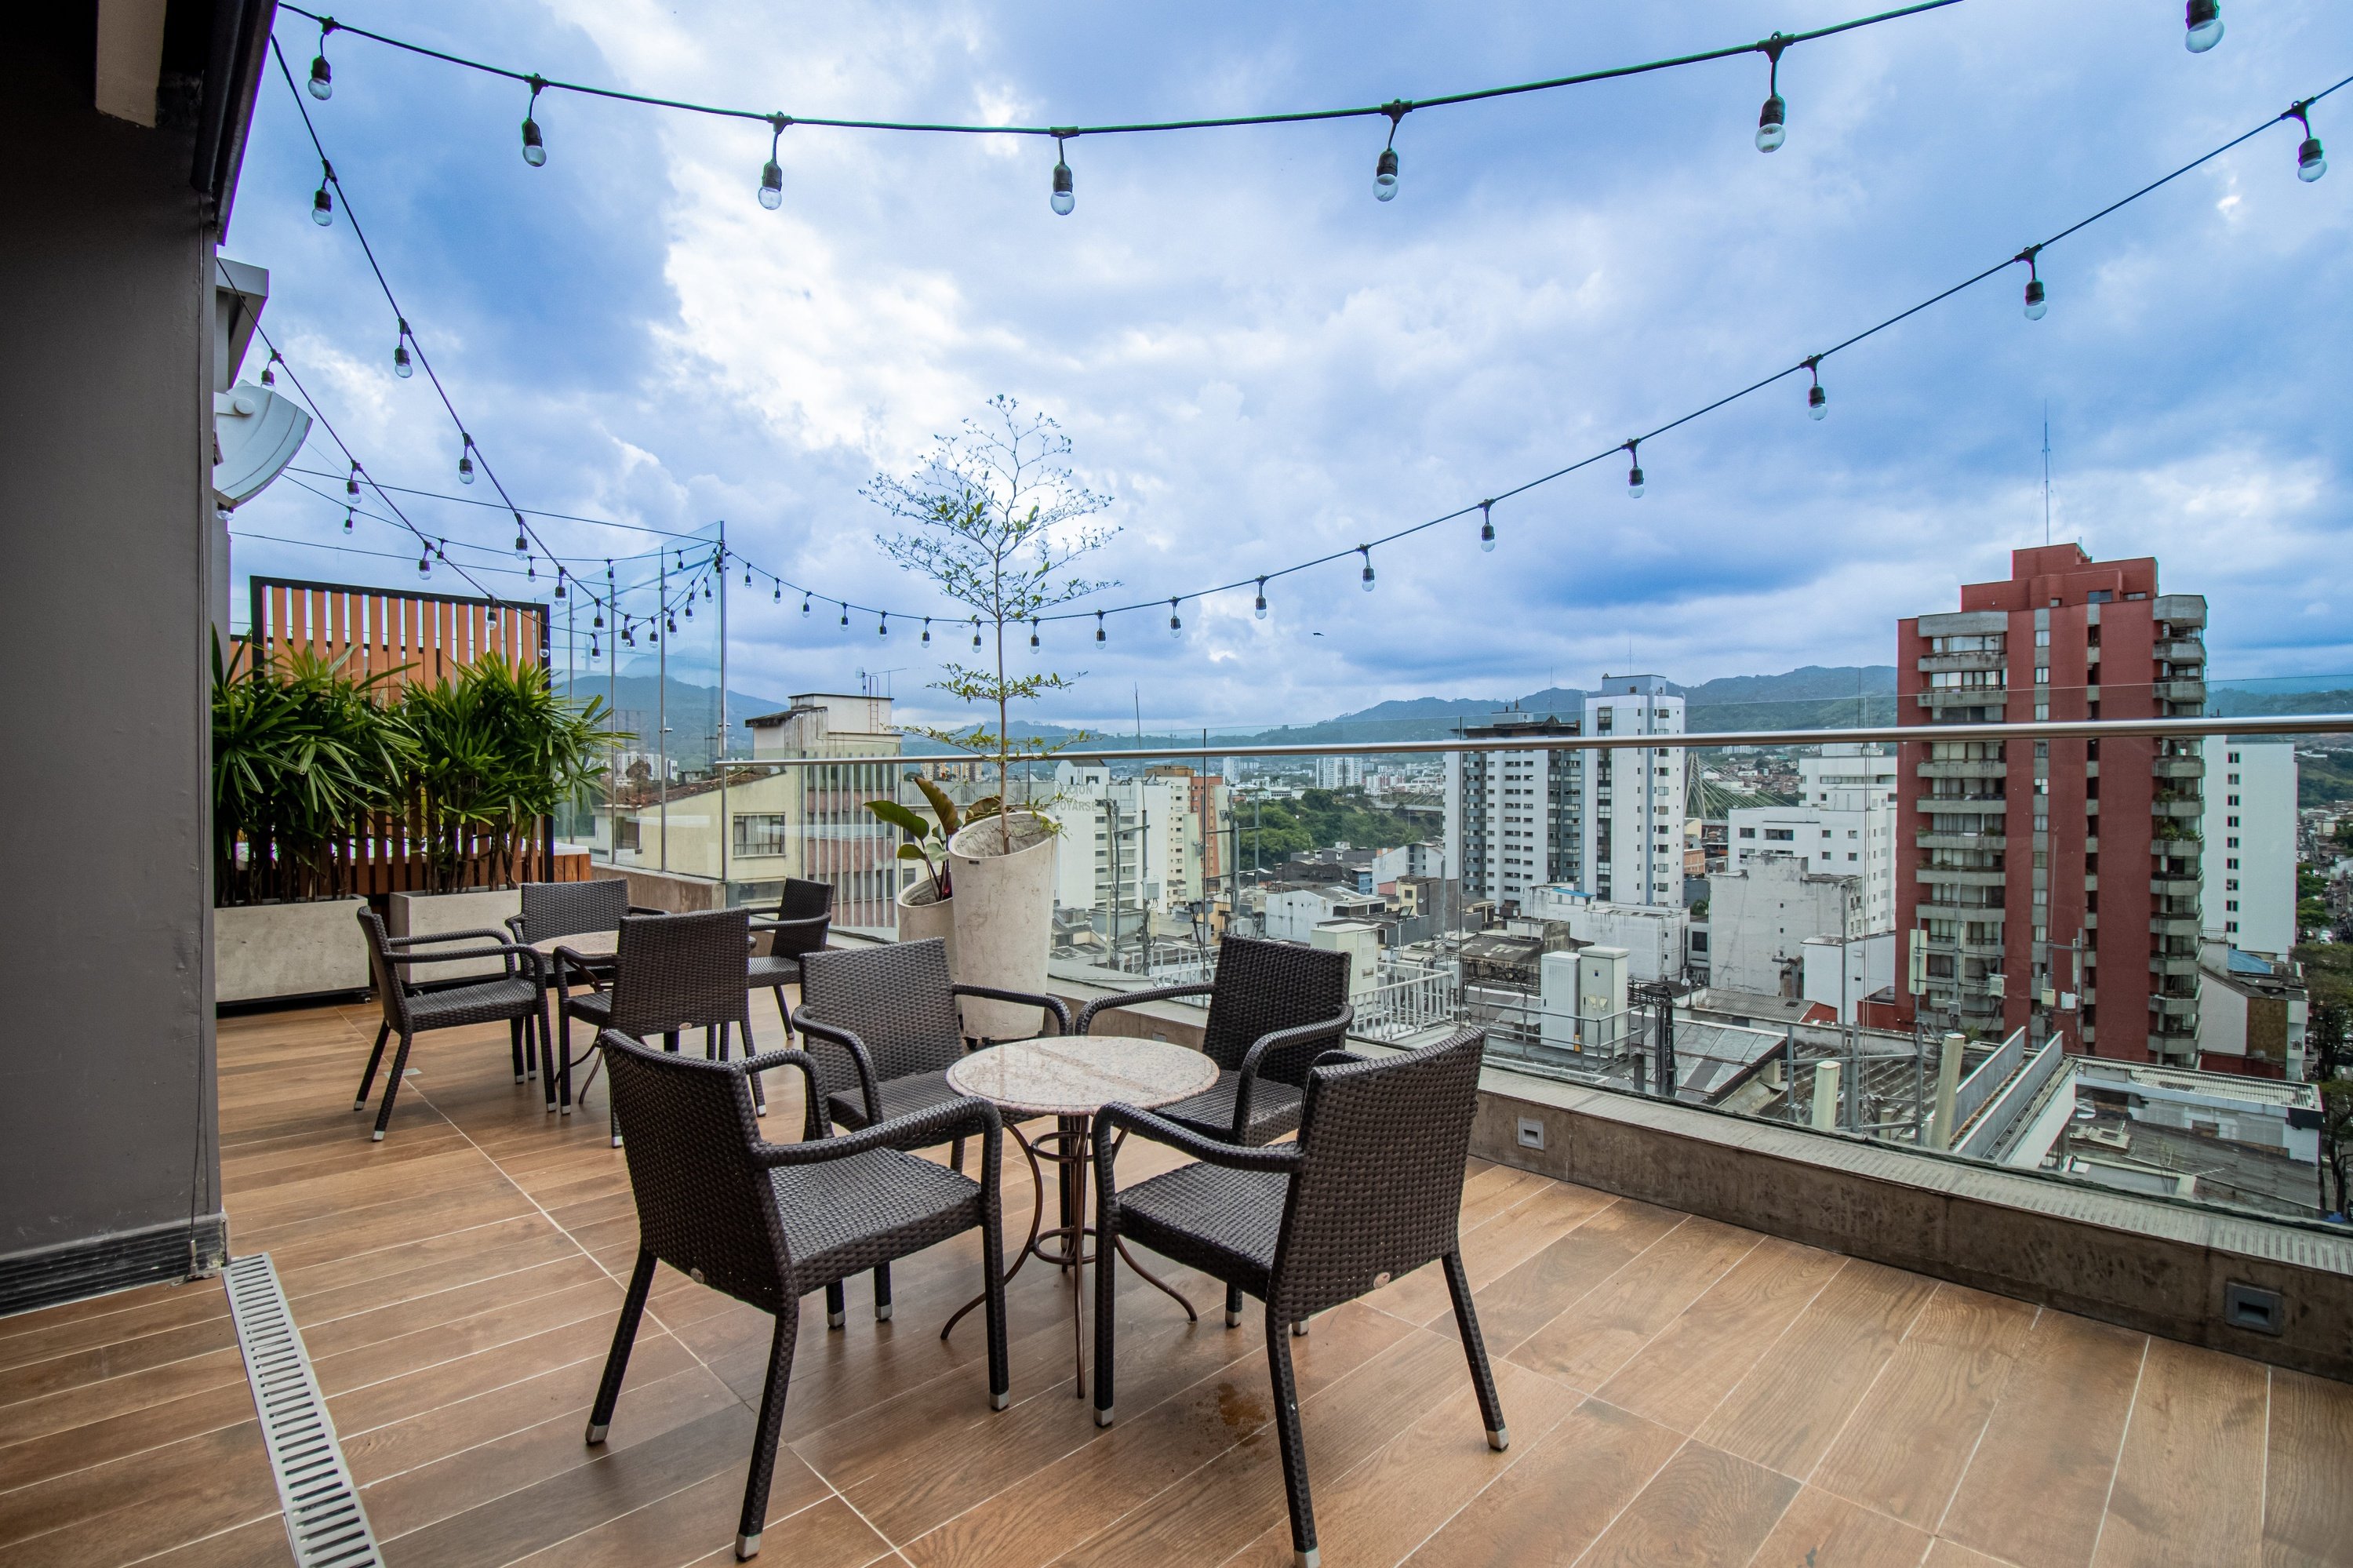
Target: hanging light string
[(1809, 365), (1393, 111), (526, 511)]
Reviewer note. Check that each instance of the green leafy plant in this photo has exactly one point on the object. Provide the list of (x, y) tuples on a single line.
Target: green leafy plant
[(998, 518), (925, 836), (301, 754)]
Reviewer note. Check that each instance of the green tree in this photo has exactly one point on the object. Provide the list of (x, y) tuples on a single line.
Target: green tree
[(998, 517)]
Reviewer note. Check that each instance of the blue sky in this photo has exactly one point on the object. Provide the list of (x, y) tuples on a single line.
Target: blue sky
[(1260, 361)]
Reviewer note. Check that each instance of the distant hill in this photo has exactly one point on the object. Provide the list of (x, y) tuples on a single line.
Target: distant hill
[(691, 711), (2252, 700)]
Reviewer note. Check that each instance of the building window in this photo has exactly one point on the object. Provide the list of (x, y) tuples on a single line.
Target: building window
[(1749, 832), (759, 832), (1784, 835), (626, 833)]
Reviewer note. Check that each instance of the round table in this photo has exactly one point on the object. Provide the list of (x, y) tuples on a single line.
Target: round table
[(585, 943), (1070, 1078)]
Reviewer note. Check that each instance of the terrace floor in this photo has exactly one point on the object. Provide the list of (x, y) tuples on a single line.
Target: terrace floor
[(1678, 1391)]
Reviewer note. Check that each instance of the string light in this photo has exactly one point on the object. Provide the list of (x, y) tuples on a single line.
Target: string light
[(400, 365), (523, 539), (2037, 300), (844, 615), (425, 563), (322, 206), (347, 519), (593, 652), (927, 631), (2203, 21), (599, 623), (1258, 610), (1033, 634), (351, 484), (268, 372), (1064, 199), (1486, 527), (882, 626), (772, 174), (466, 460), (778, 596), (441, 550), (1385, 167), (976, 631), (1633, 451), (322, 78), (804, 604), (530, 569), (1818, 402), (534, 151), (2310, 162), (1176, 625), (1367, 551), (1099, 626), (1771, 129)]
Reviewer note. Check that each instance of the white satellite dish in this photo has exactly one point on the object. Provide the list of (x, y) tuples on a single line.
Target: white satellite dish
[(256, 434)]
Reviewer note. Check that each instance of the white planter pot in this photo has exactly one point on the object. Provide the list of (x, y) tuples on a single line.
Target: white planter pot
[(1004, 906), (267, 950), (435, 914), (920, 922)]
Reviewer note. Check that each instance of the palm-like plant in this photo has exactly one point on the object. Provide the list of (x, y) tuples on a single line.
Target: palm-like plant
[(495, 750), (924, 837)]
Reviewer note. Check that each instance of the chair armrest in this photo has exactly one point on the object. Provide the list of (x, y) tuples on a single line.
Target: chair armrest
[(1130, 998), (484, 935), (514, 926), (867, 1087), (1248, 1073), (1053, 1005), (1339, 1059), (533, 959), (572, 958), (963, 1117), (807, 923), (642, 909), (1207, 1150)]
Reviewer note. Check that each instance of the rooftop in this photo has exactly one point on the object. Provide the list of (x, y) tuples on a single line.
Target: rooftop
[(1674, 1385)]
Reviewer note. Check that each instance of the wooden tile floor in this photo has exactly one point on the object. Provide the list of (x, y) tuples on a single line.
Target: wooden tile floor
[(1678, 1391)]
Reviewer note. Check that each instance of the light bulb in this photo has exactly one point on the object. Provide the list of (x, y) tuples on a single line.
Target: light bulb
[(534, 151), (2037, 303), (882, 626), (522, 540), (1385, 175), (2204, 21), (778, 597), (400, 365), (530, 567), (1259, 609), (465, 467), (347, 519), (322, 79), (1368, 571), (1099, 626), (844, 615), (772, 185), (804, 604), (689, 607), (1771, 129), (1818, 402), (560, 592), (2310, 163), (1633, 473), (268, 378), (425, 564), (1064, 199), (593, 652), (1175, 622), (322, 207), (1033, 634), (1486, 527), (352, 480)]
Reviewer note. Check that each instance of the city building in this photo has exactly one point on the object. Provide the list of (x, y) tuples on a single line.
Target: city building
[(1760, 917), (1516, 819), (1631, 840), (1293, 913), (2026, 869), (2251, 1011), (1345, 772), (1653, 937), (2251, 839), (1131, 847), (1844, 821)]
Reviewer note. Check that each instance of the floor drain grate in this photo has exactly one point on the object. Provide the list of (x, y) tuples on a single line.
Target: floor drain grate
[(324, 1521)]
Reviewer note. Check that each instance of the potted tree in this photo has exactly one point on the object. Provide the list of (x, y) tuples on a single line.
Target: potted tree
[(925, 908), (998, 517), (301, 754)]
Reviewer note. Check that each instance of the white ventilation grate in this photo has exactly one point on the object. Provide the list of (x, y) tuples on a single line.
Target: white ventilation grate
[(324, 1521)]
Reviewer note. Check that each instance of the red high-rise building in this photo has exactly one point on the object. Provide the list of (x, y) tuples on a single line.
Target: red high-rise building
[(2033, 874)]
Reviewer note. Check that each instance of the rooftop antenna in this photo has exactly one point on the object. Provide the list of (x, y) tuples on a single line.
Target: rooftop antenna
[(2046, 471)]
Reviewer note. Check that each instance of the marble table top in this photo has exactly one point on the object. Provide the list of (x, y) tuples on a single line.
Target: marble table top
[(1078, 1075), (587, 944)]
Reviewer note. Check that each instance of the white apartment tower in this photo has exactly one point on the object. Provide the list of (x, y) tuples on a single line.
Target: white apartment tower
[(1515, 820), (2250, 828), (1842, 825), (1632, 838)]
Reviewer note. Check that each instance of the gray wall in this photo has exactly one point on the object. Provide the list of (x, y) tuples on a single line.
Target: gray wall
[(108, 1133)]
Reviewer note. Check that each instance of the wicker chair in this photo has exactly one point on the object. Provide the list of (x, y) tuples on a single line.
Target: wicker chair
[(513, 998), (880, 1024), (1372, 1189), (551, 909), (1273, 1008), (803, 917), (671, 972), (766, 1223)]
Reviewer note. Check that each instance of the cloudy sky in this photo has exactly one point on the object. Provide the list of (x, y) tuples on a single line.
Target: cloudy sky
[(1259, 362)]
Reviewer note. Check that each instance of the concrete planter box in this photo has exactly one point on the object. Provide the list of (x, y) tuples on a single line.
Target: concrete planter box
[(263, 951), (433, 914), (922, 915), (1004, 907)]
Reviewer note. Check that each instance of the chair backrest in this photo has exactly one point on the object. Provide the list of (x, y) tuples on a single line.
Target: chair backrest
[(803, 901), (681, 972), (391, 984), (568, 908), (1264, 986), (704, 1207), (1380, 1186), (894, 997)]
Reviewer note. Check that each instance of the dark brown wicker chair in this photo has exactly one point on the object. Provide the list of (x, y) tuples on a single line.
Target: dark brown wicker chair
[(803, 917), (1372, 1190), (513, 998), (551, 909), (671, 972), (881, 1024), (768, 1223)]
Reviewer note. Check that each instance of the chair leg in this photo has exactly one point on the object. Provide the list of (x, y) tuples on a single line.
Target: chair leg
[(1295, 1445), (1106, 1305), (375, 1057), (754, 1522), (514, 1045), (392, 1087), (837, 1306), (625, 1334), (956, 1156), (546, 1057), (882, 1294), (1233, 1306), (1483, 1377), (563, 1054), (992, 1290)]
